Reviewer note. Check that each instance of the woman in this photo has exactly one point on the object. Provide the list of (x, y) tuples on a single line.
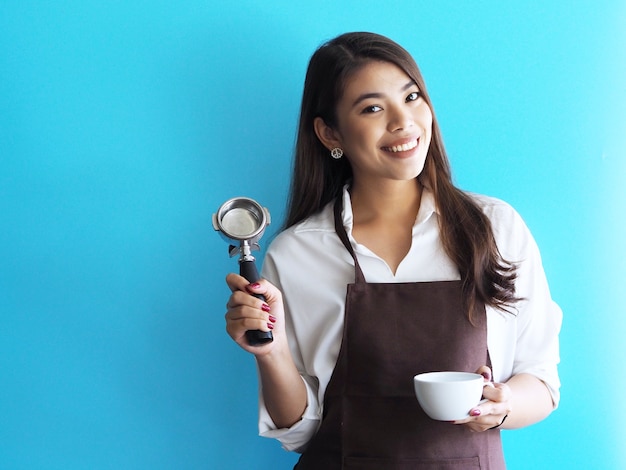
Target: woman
[(437, 279)]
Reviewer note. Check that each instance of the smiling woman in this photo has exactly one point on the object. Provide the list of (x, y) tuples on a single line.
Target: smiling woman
[(124, 125), (436, 279)]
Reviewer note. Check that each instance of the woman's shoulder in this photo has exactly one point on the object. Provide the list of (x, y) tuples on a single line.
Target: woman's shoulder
[(497, 210), (309, 229), (309, 250), (510, 230)]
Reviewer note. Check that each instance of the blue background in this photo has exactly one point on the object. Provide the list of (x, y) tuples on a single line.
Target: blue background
[(124, 125)]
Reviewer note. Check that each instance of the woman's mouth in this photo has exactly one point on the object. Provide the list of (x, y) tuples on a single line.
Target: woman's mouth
[(403, 147)]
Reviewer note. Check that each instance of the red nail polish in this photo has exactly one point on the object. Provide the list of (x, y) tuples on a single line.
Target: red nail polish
[(475, 412), (272, 318), (265, 308), (270, 326), (254, 285)]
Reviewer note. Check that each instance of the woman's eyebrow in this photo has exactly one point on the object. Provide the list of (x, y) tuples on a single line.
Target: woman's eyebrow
[(366, 96)]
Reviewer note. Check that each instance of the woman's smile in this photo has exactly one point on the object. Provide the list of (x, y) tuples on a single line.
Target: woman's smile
[(402, 147)]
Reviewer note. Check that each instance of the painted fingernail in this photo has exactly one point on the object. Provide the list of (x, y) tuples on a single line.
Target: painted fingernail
[(272, 318), (486, 375), (254, 285), (475, 412), (270, 326), (265, 308)]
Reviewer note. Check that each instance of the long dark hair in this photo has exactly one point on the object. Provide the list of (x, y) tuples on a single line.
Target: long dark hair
[(317, 179)]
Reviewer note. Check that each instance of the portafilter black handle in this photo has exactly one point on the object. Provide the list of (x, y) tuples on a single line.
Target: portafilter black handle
[(247, 269)]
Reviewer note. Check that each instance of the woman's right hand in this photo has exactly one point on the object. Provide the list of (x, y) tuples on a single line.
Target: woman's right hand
[(246, 312)]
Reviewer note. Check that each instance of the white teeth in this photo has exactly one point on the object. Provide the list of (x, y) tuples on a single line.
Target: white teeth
[(403, 147)]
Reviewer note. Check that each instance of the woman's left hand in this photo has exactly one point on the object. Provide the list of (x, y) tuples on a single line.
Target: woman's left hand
[(492, 412)]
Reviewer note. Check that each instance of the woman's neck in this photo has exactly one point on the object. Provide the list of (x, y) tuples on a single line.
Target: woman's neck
[(397, 200)]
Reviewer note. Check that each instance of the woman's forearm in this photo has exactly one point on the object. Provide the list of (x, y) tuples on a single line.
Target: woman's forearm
[(530, 401), (284, 392)]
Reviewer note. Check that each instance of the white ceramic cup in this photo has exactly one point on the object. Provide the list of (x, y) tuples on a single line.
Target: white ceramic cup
[(448, 396)]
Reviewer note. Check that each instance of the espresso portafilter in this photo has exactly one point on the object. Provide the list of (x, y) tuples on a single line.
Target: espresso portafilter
[(241, 221)]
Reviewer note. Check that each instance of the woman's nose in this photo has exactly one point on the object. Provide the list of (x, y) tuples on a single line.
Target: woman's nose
[(400, 119)]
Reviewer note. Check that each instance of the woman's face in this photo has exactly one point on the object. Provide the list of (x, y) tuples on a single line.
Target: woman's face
[(384, 126)]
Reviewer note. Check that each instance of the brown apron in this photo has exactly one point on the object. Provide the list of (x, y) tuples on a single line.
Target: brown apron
[(371, 418)]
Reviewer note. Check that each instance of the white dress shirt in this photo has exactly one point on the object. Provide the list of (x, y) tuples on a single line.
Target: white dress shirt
[(311, 267)]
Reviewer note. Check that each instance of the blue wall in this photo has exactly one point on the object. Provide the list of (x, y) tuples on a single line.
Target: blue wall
[(124, 125)]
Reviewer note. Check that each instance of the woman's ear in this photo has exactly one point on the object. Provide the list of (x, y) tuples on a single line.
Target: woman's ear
[(326, 134)]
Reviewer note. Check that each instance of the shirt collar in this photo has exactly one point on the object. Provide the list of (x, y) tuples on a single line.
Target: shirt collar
[(427, 206)]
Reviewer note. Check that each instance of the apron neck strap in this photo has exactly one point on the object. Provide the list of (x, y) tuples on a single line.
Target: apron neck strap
[(343, 236)]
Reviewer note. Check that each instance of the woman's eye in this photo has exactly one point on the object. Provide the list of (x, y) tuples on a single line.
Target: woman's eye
[(372, 109), (413, 96)]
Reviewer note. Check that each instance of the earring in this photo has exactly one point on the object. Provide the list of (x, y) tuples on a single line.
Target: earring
[(336, 153)]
